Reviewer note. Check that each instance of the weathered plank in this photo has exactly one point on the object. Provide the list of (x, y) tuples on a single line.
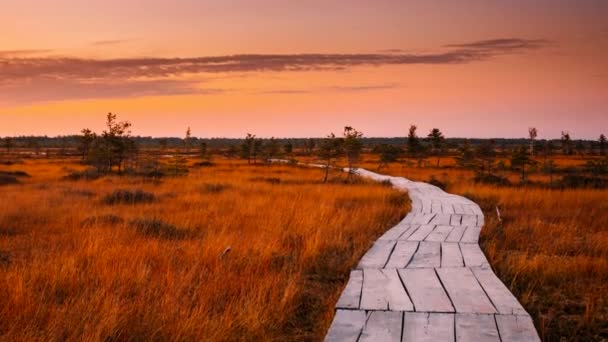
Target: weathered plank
[(382, 290), (422, 218), (383, 326), (428, 327), (346, 326), (456, 234), (395, 232), (378, 255), (351, 296), (499, 294), (447, 208), (464, 291), (476, 327), (451, 255), (516, 328), (472, 255), (421, 233), (428, 255), (455, 219), (471, 235), (402, 254), (469, 220), (441, 219), (425, 290), (439, 234)]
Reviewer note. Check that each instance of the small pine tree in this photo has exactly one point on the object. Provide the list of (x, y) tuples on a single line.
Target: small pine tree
[(533, 133), (466, 155), (352, 146), (330, 149), (602, 144), (437, 143)]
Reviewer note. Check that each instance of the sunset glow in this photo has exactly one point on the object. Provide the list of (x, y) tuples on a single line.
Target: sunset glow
[(281, 68)]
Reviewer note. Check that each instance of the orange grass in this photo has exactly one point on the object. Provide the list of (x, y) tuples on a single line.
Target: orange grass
[(551, 248), (292, 246)]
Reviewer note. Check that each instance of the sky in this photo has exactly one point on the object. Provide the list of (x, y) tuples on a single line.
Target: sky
[(473, 68)]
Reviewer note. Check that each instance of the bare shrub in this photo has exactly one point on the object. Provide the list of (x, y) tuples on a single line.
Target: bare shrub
[(87, 174), (128, 197), (5, 259), (6, 180), (109, 219), (214, 188), (158, 229)]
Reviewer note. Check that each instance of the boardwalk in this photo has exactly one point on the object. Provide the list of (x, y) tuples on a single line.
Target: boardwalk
[(426, 279)]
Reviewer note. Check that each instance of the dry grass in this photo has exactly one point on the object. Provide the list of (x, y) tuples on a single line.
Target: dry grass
[(551, 248), (75, 268)]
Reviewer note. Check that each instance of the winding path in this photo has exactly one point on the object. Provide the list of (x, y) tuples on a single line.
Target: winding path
[(426, 279)]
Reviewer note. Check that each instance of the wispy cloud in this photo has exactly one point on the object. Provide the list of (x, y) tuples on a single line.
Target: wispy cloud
[(503, 45), (23, 53), (71, 77), (337, 89), (110, 42)]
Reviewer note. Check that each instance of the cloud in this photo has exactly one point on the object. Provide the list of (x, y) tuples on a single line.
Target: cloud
[(23, 53), (110, 42), (46, 90), (337, 89), (71, 77), (503, 45)]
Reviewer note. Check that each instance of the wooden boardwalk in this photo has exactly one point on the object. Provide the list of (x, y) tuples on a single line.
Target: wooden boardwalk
[(426, 279)]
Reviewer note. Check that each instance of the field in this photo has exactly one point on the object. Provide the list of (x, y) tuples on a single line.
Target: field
[(550, 249), (228, 252), (261, 252)]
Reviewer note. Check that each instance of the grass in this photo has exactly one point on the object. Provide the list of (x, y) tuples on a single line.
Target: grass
[(551, 248), (223, 254)]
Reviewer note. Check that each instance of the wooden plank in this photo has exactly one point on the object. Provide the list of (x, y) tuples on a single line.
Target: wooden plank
[(346, 326), (451, 255), (409, 232), (516, 328), (456, 234), (455, 220), (421, 233), (425, 290), (423, 218), (499, 294), (382, 290), (480, 220), (469, 220), (407, 219), (402, 254), (468, 209), (383, 326), (464, 290), (436, 207), (472, 255), (471, 235), (428, 327), (458, 209), (378, 255), (439, 234), (351, 296), (427, 255), (442, 219), (447, 208), (395, 232), (474, 327)]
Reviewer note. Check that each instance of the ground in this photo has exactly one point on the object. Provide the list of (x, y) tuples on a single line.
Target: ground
[(228, 252)]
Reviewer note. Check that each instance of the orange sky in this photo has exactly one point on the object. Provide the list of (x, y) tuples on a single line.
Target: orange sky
[(276, 68)]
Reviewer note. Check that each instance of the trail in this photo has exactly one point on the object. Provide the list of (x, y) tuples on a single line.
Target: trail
[(426, 279)]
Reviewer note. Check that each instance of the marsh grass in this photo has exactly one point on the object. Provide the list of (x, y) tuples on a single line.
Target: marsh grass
[(79, 269), (550, 248)]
